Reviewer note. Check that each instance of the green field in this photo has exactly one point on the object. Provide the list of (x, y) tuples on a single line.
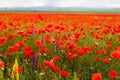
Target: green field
[(68, 11)]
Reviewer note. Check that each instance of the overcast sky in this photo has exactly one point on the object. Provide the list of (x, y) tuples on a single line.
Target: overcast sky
[(61, 3)]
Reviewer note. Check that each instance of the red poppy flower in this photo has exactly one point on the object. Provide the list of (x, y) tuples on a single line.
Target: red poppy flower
[(110, 39), (106, 60), (28, 48), (49, 64), (9, 64), (96, 76), (112, 74), (76, 35), (16, 47), (11, 49), (21, 43), (18, 70), (39, 43), (11, 36), (8, 54), (2, 40), (109, 45), (48, 40), (74, 56), (97, 59), (47, 50), (28, 54), (56, 58), (81, 51), (43, 50), (70, 45), (1, 64), (64, 73), (56, 69), (115, 54), (118, 48), (103, 51), (79, 75), (71, 56), (97, 52), (65, 37), (20, 32), (60, 42)]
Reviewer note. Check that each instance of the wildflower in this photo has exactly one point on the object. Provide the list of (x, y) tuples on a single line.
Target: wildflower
[(79, 75), (34, 61), (109, 45), (18, 70), (96, 76), (115, 54), (103, 51), (1, 64), (97, 52), (56, 69), (28, 48), (2, 40), (39, 43), (11, 36), (96, 44), (97, 59), (47, 39), (106, 60), (112, 74), (56, 58), (28, 54), (56, 47), (64, 73), (81, 51)]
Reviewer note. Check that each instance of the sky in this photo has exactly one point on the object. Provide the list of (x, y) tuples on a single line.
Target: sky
[(61, 3)]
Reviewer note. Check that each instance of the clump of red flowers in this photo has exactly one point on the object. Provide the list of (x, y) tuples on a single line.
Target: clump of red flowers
[(28, 51), (51, 63)]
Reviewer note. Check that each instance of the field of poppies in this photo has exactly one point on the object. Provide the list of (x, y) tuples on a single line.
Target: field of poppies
[(44, 46)]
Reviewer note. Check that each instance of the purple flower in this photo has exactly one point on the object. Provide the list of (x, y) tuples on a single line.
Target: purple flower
[(33, 34), (34, 61), (56, 47), (42, 40)]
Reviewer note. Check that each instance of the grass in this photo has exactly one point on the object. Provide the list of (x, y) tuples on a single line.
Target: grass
[(67, 11)]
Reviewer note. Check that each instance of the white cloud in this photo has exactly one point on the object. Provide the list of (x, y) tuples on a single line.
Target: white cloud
[(21, 3), (113, 5), (61, 3), (71, 3)]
